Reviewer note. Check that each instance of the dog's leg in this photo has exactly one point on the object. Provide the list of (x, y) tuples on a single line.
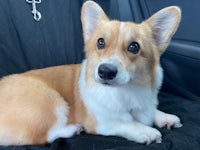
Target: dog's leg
[(163, 119), (133, 131), (61, 129), (64, 132)]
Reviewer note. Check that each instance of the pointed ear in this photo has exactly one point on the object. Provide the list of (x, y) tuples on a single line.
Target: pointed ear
[(164, 24), (91, 15)]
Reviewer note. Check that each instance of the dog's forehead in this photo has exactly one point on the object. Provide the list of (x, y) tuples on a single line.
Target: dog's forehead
[(126, 30)]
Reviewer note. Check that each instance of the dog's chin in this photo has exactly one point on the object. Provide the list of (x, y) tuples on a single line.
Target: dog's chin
[(106, 83), (111, 83)]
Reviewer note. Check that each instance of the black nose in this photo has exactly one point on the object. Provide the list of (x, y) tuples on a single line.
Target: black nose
[(107, 71)]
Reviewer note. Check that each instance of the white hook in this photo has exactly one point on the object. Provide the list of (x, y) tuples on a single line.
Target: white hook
[(36, 14)]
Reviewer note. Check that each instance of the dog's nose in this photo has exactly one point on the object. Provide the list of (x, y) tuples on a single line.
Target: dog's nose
[(107, 71)]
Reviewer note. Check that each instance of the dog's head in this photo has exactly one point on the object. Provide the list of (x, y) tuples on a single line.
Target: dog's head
[(119, 53)]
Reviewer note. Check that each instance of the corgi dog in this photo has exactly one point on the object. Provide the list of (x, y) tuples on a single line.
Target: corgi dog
[(113, 92)]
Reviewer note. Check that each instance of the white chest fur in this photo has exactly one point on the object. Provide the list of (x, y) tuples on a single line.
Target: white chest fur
[(121, 103)]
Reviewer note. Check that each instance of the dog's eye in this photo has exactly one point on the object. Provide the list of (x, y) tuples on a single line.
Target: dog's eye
[(101, 43), (134, 48)]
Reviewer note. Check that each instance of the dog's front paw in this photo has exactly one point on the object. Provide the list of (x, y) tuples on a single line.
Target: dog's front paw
[(147, 135), (163, 119)]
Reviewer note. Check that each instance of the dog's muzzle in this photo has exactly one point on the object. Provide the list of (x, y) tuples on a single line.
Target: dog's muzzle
[(107, 72)]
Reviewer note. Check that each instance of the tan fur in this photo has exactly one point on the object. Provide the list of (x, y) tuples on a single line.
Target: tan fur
[(23, 114)]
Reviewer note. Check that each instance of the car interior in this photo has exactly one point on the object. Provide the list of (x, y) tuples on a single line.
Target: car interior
[(57, 39)]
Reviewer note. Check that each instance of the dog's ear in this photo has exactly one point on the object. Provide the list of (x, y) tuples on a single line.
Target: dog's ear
[(163, 25), (91, 15)]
